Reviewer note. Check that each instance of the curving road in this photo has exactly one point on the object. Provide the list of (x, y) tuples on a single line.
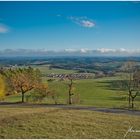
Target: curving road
[(75, 107)]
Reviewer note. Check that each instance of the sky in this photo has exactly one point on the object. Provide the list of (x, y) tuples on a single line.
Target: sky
[(70, 27)]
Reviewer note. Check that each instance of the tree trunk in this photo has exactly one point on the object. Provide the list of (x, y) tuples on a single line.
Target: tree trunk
[(70, 98), (132, 102), (22, 97), (129, 99), (70, 90)]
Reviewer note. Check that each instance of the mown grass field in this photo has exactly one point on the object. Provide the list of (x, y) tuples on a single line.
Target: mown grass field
[(31, 122)]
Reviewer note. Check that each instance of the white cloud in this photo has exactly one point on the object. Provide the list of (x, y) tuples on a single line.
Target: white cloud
[(70, 50), (106, 50), (85, 50), (3, 28), (83, 21), (82, 51), (87, 23), (119, 51), (122, 50)]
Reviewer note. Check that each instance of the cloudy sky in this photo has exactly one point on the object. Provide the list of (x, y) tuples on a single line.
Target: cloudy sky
[(70, 27)]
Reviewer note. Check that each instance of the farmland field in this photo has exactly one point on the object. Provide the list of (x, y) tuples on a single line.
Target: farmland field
[(45, 70)]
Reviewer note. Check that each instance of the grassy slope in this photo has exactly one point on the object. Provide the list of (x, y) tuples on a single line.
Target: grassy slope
[(97, 92), (57, 123)]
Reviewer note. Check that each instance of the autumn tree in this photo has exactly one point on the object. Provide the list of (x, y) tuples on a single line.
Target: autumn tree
[(22, 80), (2, 88), (38, 93)]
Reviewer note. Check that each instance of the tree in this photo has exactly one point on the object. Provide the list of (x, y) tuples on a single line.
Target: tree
[(132, 82), (136, 86), (53, 95), (70, 89), (38, 93), (2, 88), (22, 80)]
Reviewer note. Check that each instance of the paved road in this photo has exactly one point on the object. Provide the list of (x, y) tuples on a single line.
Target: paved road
[(75, 107)]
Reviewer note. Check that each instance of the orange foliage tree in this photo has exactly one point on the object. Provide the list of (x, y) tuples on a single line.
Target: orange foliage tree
[(2, 88), (22, 80)]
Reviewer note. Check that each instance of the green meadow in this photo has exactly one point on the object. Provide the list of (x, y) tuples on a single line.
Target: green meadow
[(101, 92)]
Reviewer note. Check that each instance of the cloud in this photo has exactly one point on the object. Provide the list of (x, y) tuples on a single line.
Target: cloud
[(82, 50), (120, 51), (3, 28), (70, 50), (106, 50), (87, 23), (83, 21), (65, 52)]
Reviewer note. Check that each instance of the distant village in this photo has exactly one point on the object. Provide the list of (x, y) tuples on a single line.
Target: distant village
[(81, 75)]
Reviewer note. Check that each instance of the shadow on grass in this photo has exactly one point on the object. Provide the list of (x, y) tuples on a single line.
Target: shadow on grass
[(112, 85), (119, 98)]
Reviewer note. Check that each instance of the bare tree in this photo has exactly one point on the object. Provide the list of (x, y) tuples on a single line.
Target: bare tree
[(132, 82), (70, 89)]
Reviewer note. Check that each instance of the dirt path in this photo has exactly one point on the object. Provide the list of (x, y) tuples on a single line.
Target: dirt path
[(75, 107)]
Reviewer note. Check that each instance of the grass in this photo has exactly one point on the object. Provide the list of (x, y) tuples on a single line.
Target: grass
[(28, 122), (102, 92), (45, 70), (96, 92)]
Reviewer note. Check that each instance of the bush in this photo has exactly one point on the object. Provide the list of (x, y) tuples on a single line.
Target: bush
[(36, 95)]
